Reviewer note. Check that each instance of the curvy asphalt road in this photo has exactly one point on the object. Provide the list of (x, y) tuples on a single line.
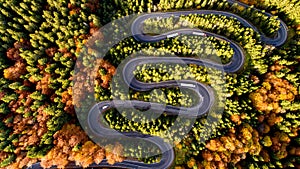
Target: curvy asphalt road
[(137, 25), (203, 91), (281, 35)]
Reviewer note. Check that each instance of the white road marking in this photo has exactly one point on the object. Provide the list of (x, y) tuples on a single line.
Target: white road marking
[(172, 35), (199, 33), (104, 107), (187, 85)]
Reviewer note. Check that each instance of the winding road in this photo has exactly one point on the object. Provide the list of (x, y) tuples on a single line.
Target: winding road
[(281, 35), (137, 29), (203, 91)]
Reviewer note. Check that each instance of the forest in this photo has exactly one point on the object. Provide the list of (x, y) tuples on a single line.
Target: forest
[(41, 42)]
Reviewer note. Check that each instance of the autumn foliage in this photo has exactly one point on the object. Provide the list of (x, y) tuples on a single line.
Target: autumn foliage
[(42, 42), (72, 144), (274, 90)]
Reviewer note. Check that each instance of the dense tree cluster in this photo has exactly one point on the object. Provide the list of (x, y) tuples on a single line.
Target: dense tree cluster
[(266, 99), (40, 42), (279, 7), (72, 144), (229, 149)]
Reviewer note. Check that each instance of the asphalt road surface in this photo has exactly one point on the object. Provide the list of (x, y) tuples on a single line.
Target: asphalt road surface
[(203, 91)]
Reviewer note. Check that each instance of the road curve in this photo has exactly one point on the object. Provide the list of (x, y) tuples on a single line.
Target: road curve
[(203, 91), (281, 35), (101, 131), (137, 31)]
